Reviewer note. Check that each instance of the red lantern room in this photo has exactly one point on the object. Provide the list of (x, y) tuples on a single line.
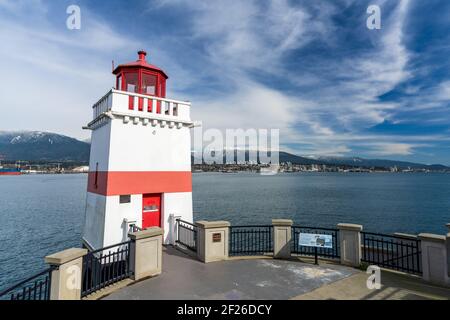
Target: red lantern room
[(141, 77)]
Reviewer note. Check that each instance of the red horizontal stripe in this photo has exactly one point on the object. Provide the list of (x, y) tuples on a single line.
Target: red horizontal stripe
[(110, 183), (12, 173)]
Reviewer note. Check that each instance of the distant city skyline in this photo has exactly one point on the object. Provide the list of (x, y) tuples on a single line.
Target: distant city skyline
[(310, 68)]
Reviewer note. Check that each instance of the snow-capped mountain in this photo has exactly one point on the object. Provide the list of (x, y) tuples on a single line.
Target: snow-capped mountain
[(383, 163), (41, 146)]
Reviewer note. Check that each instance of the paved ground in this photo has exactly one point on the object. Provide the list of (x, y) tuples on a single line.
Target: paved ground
[(186, 278), (394, 286)]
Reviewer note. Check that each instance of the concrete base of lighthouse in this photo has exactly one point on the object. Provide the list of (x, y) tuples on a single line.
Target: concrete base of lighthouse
[(108, 220)]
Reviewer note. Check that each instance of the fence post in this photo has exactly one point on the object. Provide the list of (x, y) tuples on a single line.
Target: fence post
[(282, 235), (212, 240), (66, 279), (434, 258), (350, 243), (173, 228), (146, 252)]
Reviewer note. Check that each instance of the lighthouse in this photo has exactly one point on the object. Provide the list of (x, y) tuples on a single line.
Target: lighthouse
[(140, 160)]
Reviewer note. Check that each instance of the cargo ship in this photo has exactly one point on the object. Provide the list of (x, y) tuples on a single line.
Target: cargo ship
[(9, 171)]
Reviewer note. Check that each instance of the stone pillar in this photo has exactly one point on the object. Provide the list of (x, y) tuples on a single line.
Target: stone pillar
[(434, 258), (282, 238), (212, 240), (66, 279), (350, 243), (447, 244), (146, 252)]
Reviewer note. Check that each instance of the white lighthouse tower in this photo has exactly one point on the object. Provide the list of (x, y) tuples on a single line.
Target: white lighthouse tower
[(140, 162)]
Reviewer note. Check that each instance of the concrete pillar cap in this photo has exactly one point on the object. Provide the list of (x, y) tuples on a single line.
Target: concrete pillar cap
[(350, 226), (212, 224), (65, 256), (147, 233), (431, 237), (282, 222)]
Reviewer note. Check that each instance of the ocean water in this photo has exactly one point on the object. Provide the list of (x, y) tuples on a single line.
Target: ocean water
[(42, 214)]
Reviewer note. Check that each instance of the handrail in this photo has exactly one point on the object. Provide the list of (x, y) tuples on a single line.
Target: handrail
[(316, 228), (187, 234), (389, 236), (253, 226), (109, 247), (48, 270), (392, 251), (185, 222), (250, 240), (103, 270)]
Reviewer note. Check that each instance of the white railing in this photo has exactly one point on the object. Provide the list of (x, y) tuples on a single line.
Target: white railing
[(138, 105), (102, 105)]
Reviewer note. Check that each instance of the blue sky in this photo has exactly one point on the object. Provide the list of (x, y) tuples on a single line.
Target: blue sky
[(310, 68)]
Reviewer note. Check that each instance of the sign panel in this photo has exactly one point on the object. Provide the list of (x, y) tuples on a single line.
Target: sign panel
[(316, 240), (217, 237)]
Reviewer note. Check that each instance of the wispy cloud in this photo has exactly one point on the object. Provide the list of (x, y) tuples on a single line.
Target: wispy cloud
[(392, 149), (341, 97), (310, 68), (62, 73)]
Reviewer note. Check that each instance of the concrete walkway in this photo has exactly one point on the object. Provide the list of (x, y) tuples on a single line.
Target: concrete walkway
[(394, 286), (184, 278)]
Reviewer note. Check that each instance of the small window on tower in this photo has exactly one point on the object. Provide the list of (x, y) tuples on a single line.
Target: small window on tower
[(149, 84), (125, 199)]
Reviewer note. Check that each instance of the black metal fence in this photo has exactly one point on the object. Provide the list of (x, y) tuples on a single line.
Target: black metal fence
[(250, 240), (105, 266), (36, 287), (330, 253), (392, 252), (187, 234)]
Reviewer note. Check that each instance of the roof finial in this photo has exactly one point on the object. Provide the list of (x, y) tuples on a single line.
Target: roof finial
[(142, 54)]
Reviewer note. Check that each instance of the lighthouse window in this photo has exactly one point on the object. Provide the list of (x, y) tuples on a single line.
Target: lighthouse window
[(149, 84), (131, 82), (119, 83)]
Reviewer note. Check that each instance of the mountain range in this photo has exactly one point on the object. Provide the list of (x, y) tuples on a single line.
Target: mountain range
[(51, 147), (41, 146)]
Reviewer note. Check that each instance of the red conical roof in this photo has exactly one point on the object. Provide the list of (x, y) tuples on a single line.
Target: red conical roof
[(140, 63)]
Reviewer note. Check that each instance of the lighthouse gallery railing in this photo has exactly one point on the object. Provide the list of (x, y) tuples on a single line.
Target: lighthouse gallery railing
[(125, 103)]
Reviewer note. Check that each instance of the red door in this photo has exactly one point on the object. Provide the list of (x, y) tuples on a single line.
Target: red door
[(151, 210)]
